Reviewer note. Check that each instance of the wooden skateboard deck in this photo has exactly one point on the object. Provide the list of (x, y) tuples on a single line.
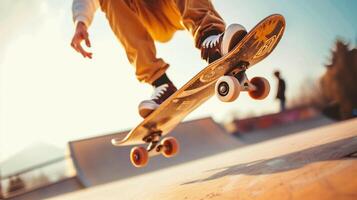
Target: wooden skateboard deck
[(254, 47)]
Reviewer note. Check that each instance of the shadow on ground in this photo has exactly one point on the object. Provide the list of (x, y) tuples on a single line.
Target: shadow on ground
[(338, 150)]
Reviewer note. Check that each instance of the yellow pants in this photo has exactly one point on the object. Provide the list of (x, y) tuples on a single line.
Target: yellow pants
[(137, 23)]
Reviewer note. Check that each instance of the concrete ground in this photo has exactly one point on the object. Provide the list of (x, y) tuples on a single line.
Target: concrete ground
[(316, 164)]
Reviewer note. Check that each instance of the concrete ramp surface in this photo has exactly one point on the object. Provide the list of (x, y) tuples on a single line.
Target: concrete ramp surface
[(319, 163), (97, 161)]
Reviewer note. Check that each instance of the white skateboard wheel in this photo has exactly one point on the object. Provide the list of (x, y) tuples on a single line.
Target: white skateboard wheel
[(227, 88)]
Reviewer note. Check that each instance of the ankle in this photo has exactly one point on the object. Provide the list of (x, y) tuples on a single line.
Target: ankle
[(161, 80)]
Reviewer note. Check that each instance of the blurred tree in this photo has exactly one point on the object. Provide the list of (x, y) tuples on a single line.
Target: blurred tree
[(339, 81)]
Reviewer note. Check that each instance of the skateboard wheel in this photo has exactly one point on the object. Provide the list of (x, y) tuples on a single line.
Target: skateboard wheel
[(262, 88), (227, 88), (170, 147), (139, 156)]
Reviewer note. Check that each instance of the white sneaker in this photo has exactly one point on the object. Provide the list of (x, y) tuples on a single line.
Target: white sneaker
[(159, 95), (216, 46)]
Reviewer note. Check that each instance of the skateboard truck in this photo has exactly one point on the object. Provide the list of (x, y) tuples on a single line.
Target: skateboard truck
[(152, 139), (245, 84), (229, 86), (167, 146), (241, 76), (240, 66), (243, 65)]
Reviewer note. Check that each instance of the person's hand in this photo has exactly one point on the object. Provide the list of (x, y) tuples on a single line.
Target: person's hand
[(81, 35)]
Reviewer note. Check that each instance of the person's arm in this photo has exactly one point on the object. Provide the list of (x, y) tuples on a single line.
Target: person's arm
[(83, 13)]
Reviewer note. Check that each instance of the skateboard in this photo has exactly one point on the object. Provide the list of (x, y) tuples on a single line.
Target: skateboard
[(224, 77)]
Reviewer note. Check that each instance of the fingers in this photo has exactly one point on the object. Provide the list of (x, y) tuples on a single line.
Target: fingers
[(85, 37), (84, 52), (87, 42), (73, 45), (76, 44)]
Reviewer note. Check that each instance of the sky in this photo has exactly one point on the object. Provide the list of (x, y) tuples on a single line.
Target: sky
[(50, 94)]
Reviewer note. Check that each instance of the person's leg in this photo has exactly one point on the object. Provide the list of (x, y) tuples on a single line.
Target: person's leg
[(282, 105), (200, 18), (208, 28), (161, 18), (135, 38), (136, 28)]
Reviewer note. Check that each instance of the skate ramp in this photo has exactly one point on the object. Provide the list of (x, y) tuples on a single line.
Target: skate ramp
[(97, 161), (261, 135), (316, 164), (64, 186), (258, 129)]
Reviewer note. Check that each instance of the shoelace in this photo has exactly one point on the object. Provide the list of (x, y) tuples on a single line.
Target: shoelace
[(159, 91), (211, 41)]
